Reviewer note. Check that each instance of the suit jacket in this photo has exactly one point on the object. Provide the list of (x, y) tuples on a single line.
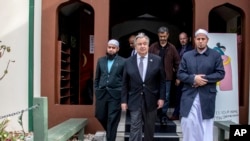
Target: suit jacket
[(152, 89), (208, 63), (110, 82), (188, 48)]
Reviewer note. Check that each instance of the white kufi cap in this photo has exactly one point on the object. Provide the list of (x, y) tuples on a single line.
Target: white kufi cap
[(201, 31), (113, 42)]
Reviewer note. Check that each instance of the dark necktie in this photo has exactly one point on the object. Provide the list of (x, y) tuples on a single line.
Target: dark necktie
[(141, 67)]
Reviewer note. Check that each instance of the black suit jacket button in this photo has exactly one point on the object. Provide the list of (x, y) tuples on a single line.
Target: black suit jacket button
[(141, 93), (143, 85)]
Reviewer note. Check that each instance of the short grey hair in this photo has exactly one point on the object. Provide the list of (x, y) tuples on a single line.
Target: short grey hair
[(141, 35), (163, 29)]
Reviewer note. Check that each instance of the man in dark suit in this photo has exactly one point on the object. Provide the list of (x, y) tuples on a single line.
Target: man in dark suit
[(185, 46), (143, 89), (108, 85), (199, 70)]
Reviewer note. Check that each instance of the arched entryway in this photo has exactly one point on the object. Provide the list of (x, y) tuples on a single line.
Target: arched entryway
[(228, 18), (75, 54)]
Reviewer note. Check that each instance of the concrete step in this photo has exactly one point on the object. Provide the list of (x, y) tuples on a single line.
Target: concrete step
[(162, 133), (101, 136), (160, 136)]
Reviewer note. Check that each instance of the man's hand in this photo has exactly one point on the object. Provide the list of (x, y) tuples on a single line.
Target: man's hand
[(124, 106), (160, 103), (177, 82), (199, 80)]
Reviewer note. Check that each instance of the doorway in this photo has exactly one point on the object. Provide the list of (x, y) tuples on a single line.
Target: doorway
[(131, 17), (228, 18), (75, 52)]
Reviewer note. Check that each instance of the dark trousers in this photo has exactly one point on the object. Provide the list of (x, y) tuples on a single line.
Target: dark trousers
[(139, 118), (108, 113), (178, 100)]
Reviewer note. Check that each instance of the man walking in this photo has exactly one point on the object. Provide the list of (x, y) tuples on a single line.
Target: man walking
[(185, 46), (170, 60), (199, 70), (143, 89), (108, 86)]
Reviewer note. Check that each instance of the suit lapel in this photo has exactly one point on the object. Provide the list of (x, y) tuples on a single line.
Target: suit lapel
[(105, 64), (150, 65), (134, 63), (116, 60)]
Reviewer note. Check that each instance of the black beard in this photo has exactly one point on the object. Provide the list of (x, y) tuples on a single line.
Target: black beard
[(110, 56)]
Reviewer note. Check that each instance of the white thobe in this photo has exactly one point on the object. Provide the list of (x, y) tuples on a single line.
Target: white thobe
[(194, 128)]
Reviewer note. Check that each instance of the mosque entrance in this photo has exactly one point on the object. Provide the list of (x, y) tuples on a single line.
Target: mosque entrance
[(131, 17)]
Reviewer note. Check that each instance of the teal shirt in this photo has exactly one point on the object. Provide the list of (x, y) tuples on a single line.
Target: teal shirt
[(110, 63)]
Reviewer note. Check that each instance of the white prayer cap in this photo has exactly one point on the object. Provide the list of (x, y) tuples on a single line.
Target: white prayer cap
[(201, 31), (113, 42)]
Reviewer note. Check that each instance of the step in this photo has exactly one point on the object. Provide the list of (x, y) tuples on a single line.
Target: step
[(171, 131), (101, 136), (160, 136), (171, 127)]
